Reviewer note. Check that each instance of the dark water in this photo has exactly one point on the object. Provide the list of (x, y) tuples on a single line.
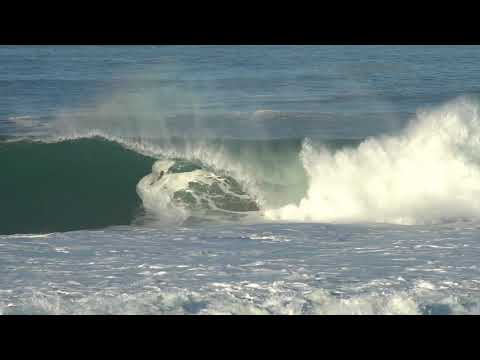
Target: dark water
[(64, 186)]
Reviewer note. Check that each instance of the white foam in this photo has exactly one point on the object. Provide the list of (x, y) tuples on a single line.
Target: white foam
[(243, 298), (428, 174), (26, 236), (158, 188), (264, 114), (370, 304)]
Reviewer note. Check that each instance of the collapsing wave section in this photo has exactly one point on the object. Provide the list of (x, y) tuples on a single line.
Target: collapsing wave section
[(429, 173), (177, 190)]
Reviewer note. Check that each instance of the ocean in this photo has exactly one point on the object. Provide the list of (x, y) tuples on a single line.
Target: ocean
[(239, 180)]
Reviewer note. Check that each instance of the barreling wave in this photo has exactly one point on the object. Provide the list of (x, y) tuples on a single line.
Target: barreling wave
[(92, 180), (428, 173)]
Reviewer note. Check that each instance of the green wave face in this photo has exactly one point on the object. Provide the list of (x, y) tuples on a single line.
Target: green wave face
[(92, 182), (77, 184)]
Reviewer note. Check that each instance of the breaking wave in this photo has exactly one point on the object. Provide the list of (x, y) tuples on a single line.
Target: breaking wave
[(428, 173)]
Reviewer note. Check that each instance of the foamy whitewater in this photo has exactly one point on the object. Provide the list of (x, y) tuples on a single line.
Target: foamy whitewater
[(427, 174), (228, 190)]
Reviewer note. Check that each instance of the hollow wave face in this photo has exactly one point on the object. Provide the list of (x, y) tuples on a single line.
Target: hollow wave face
[(427, 174), (68, 185), (93, 181)]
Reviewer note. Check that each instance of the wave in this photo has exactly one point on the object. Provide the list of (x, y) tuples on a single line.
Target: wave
[(93, 180), (428, 173)]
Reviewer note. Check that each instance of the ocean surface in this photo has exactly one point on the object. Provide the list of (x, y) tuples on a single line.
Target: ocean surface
[(240, 180)]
